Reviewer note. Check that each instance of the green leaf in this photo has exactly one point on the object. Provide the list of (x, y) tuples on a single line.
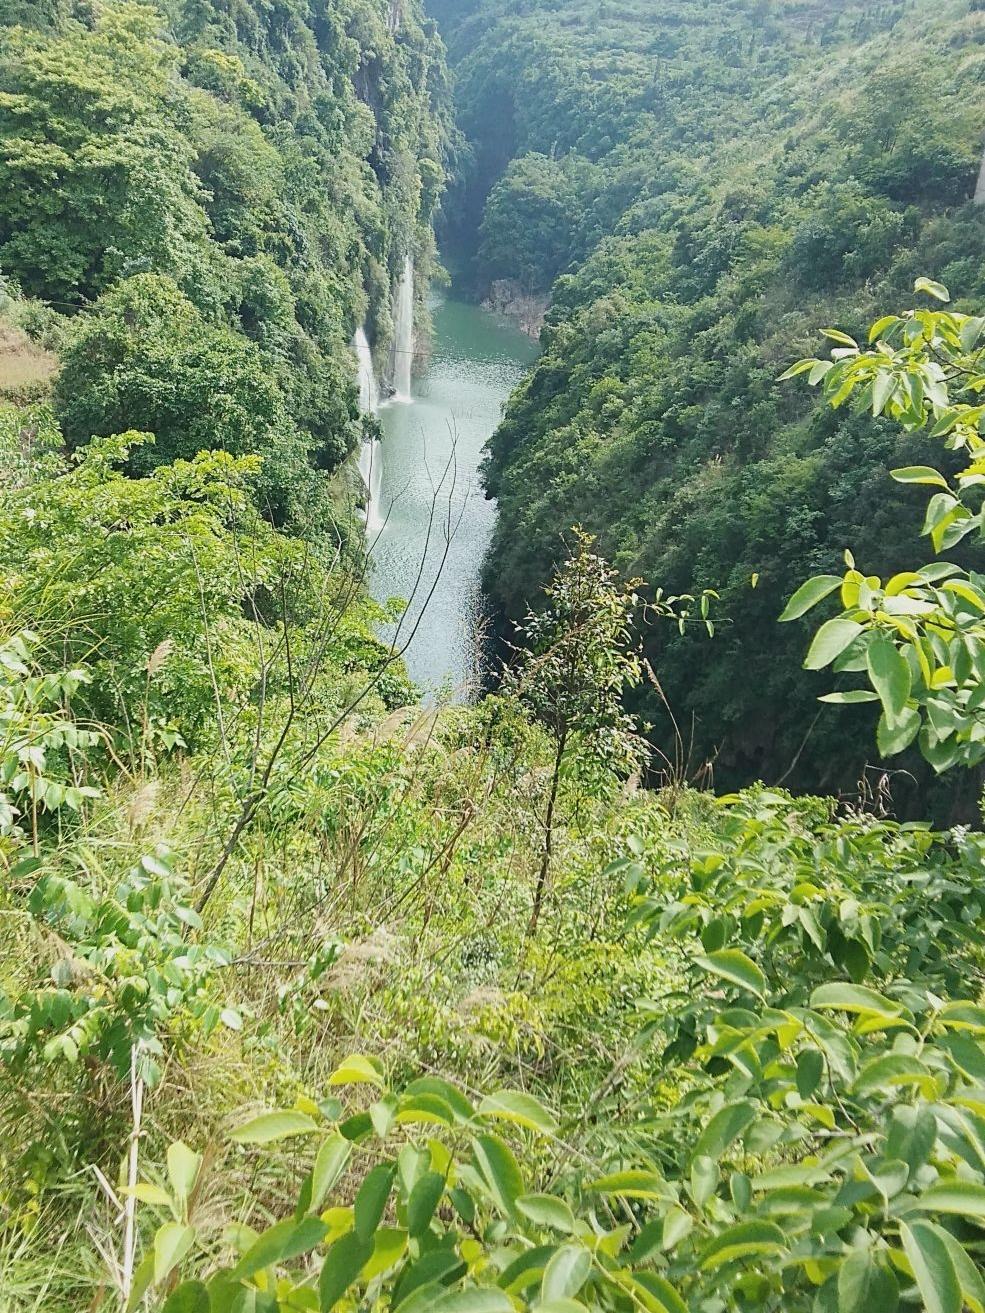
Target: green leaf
[(889, 672), (933, 1267), (171, 1243), (920, 474), (660, 1294), (547, 1210), (271, 1126), (183, 1169), (523, 1109), (809, 594), (371, 1199), (966, 1198), (853, 998), (836, 335), (357, 1070), (894, 736), (739, 1240), (724, 1128), (733, 965), (634, 1183), (343, 1263), (936, 290), (830, 641), (477, 1299), (810, 1068), (330, 1161), (499, 1170), (423, 1201), (969, 1277), (566, 1272), (676, 1225), (850, 696), (883, 387), (189, 1297), (279, 1243), (865, 1285), (889, 1070)]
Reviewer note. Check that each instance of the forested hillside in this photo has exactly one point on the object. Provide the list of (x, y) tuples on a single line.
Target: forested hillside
[(709, 185), (201, 202), (317, 999)]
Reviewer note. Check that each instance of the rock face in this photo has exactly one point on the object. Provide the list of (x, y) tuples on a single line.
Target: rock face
[(526, 309)]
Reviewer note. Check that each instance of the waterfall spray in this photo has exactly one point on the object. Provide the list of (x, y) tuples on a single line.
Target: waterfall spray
[(402, 351), (370, 465)]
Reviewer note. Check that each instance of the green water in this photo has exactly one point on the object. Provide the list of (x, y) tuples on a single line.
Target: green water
[(436, 521)]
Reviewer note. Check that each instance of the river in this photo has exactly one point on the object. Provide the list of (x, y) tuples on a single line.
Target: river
[(431, 523)]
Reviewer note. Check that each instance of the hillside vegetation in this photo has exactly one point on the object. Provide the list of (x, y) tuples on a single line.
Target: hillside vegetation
[(702, 187), (314, 999)]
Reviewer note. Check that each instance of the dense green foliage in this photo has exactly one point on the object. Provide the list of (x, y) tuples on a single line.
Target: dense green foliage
[(221, 194), (316, 1000), (713, 182)]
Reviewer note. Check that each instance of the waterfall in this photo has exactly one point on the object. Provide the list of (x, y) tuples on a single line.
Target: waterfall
[(368, 398), (402, 351), (370, 466), (980, 189)]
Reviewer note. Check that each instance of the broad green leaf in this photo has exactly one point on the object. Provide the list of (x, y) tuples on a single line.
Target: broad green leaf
[(704, 1179), (850, 696), (933, 1267), (634, 1183), (891, 1069), (279, 1243), (937, 290), (547, 1210), (853, 998), (919, 474), (566, 1272), (523, 1109), (741, 1239), (371, 1199), (966, 1198), (330, 1161), (830, 641), (658, 1294), (724, 1128), (676, 1225), (357, 1070), (271, 1126), (810, 1068), (343, 1263), (499, 1170), (889, 672), (389, 1246), (969, 1277), (171, 1243), (478, 1299), (423, 1200), (150, 1194), (183, 1169), (444, 1090), (733, 965), (189, 1297), (895, 736), (866, 1285), (809, 594)]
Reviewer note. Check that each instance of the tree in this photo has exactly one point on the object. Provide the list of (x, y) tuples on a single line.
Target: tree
[(580, 657), (920, 635)]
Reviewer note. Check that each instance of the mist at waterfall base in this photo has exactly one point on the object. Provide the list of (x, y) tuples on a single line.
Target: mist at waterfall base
[(426, 471)]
